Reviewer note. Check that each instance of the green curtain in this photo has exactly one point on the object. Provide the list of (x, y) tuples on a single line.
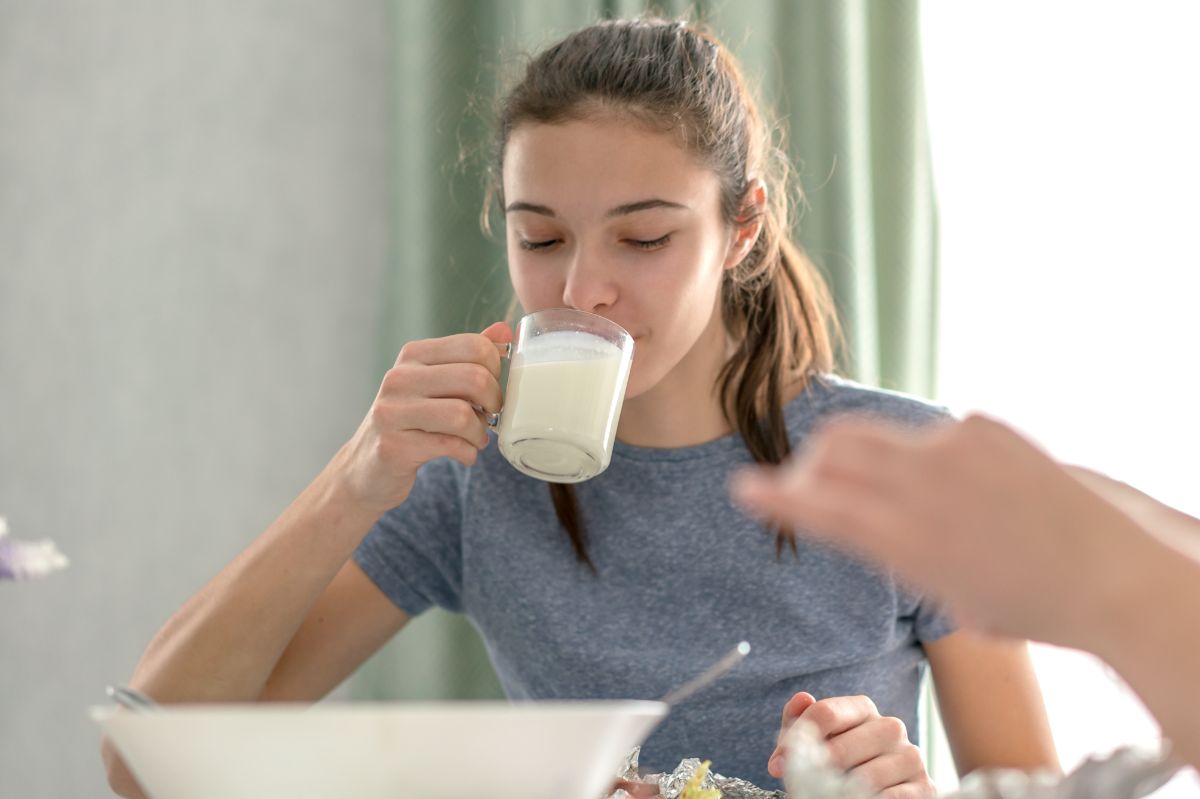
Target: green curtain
[(845, 78)]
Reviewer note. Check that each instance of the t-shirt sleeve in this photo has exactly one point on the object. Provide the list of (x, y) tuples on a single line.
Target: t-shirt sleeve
[(932, 621), (414, 552)]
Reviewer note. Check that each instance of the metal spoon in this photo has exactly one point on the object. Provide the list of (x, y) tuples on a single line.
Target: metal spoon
[(708, 676), (131, 698)]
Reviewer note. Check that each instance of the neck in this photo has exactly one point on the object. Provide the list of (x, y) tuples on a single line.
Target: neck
[(684, 408)]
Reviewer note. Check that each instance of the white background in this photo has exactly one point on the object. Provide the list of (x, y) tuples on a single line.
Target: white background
[(1066, 144)]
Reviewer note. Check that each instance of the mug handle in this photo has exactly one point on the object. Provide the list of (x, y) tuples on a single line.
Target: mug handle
[(490, 418)]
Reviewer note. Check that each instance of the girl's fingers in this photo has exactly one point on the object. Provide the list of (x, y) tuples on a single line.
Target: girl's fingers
[(453, 417), (467, 381), (460, 348), (421, 447), (896, 769), (799, 703), (498, 332), (838, 714), (867, 741), (910, 790), (834, 717), (791, 711)]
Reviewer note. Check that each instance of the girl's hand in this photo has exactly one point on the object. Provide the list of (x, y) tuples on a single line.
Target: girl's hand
[(862, 742), (426, 408)]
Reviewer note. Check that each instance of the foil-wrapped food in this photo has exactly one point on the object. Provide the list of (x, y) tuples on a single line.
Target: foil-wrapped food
[(1126, 774), (691, 779), (22, 560)]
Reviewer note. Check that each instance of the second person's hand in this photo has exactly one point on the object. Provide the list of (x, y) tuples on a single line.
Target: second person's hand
[(426, 408)]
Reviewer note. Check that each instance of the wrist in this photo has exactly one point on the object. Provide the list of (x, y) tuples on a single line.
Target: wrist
[(347, 486), (1140, 579), (331, 497)]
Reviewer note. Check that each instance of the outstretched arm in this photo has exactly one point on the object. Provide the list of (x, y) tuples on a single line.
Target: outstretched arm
[(1014, 542)]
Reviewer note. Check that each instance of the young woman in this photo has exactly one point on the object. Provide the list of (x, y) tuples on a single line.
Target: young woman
[(638, 182)]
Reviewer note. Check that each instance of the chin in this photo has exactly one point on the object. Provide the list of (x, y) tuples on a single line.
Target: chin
[(641, 380), (633, 390)]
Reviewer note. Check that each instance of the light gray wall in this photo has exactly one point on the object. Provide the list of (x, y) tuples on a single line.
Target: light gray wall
[(194, 216)]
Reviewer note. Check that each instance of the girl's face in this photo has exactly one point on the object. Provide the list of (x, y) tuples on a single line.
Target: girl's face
[(610, 218)]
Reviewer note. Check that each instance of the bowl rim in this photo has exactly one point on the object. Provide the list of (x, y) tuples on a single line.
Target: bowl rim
[(342, 708)]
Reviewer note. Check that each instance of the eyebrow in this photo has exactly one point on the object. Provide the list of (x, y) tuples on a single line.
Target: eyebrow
[(620, 210)]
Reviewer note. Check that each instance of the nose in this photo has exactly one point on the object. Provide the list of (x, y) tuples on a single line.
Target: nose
[(590, 284)]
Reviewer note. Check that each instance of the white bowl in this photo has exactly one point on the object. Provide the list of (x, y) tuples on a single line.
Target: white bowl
[(448, 750)]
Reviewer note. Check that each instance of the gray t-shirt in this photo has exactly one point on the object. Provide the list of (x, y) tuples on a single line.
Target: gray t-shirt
[(683, 575)]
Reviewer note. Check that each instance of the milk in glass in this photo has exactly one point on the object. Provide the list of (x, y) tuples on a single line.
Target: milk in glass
[(560, 415)]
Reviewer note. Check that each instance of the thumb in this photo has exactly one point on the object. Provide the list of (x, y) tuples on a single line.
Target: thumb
[(498, 333), (795, 706)]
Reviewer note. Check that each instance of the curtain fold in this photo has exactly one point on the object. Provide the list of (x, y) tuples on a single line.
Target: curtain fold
[(844, 77)]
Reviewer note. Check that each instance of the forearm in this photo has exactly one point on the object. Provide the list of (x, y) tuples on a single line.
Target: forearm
[(225, 641), (1151, 635), (991, 703)]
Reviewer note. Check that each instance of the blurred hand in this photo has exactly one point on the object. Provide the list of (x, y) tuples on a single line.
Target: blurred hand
[(1173, 527), (970, 510), (426, 408), (861, 742)]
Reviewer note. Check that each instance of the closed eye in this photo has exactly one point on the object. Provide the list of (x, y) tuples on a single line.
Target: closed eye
[(526, 244), (652, 244)]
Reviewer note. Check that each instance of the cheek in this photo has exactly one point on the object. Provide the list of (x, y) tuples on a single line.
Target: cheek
[(687, 291), (678, 304), (534, 287)]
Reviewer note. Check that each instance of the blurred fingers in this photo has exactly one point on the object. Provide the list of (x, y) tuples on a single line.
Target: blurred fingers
[(845, 512)]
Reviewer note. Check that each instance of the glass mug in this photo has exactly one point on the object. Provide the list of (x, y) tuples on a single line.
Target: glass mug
[(566, 381)]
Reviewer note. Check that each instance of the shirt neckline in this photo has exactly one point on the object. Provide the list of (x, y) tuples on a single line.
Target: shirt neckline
[(730, 442)]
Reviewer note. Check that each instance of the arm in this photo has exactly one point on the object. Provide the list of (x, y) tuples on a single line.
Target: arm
[(990, 703), (291, 616), (225, 642), (350, 620), (1171, 526), (1147, 625), (1014, 542)]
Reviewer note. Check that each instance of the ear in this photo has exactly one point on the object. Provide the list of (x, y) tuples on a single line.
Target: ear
[(748, 225)]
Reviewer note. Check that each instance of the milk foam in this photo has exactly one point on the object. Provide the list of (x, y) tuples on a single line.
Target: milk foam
[(566, 345)]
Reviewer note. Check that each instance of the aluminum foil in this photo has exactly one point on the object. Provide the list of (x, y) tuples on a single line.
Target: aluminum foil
[(671, 785), (1126, 774)]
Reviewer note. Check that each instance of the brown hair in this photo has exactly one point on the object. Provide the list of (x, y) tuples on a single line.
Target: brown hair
[(674, 76)]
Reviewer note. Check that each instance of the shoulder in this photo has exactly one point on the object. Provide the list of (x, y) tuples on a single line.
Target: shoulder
[(829, 396)]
